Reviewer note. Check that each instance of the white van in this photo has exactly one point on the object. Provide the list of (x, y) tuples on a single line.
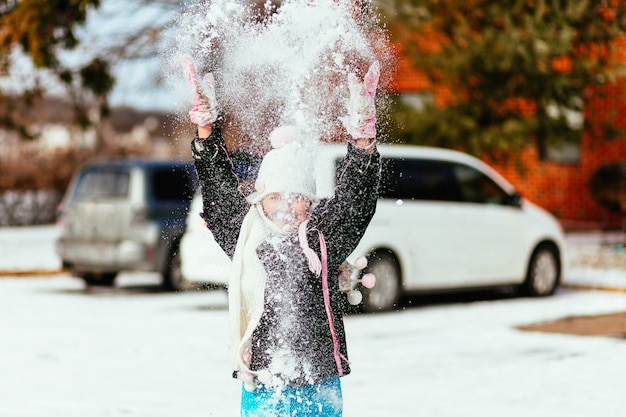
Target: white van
[(445, 221)]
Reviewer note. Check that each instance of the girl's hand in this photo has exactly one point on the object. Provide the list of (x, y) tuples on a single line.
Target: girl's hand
[(204, 112), (361, 119)]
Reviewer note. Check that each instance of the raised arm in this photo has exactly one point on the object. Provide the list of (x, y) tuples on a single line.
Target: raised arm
[(223, 205), (344, 217)]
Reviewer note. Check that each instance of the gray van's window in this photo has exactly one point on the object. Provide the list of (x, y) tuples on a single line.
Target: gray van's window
[(171, 184), (417, 179), (96, 184), (476, 187)]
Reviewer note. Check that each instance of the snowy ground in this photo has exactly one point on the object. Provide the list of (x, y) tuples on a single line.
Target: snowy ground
[(134, 351)]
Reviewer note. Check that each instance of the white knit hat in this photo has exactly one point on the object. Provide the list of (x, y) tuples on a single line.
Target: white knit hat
[(287, 168)]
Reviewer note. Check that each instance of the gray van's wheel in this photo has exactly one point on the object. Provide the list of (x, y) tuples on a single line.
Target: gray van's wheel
[(386, 293), (173, 277), (104, 279), (544, 272)]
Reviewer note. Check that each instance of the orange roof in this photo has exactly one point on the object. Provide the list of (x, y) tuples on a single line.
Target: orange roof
[(407, 78)]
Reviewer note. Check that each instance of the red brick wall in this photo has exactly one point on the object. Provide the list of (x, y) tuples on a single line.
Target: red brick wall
[(563, 188)]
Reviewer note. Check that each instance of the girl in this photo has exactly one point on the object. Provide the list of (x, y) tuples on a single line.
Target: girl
[(287, 336)]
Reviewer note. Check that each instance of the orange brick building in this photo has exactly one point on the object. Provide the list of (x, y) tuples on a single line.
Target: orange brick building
[(560, 187)]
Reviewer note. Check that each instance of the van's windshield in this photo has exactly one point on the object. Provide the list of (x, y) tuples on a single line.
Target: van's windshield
[(98, 184)]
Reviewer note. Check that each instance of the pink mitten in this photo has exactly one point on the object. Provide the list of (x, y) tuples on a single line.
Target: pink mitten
[(361, 119), (204, 110)]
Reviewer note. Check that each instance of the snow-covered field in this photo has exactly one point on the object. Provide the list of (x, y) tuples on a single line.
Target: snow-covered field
[(134, 351)]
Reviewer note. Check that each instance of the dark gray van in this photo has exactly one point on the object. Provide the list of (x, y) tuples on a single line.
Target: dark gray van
[(125, 215)]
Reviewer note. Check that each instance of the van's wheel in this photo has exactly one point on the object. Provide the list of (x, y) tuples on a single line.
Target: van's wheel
[(386, 293), (102, 279), (544, 272), (173, 279)]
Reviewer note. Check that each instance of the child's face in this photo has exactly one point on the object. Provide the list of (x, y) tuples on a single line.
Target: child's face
[(286, 210)]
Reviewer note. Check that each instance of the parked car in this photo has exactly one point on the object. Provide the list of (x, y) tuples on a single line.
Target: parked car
[(201, 260), (125, 215), (445, 221)]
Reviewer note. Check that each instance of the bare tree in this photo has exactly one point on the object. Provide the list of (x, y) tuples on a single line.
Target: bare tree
[(55, 30)]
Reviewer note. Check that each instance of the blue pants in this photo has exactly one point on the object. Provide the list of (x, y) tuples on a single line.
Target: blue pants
[(323, 399)]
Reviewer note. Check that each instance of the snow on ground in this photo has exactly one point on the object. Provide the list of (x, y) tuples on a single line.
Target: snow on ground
[(28, 249), (134, 351)]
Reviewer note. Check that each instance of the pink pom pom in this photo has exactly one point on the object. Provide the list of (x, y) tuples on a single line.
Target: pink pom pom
[(245, 377), (360, 263), (355, 297), (368, 280)]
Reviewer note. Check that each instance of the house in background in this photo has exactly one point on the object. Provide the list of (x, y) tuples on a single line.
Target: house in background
[(557, 179), (129, 131)]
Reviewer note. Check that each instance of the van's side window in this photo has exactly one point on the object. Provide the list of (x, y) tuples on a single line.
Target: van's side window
[(101, 183), (171, 184), (417, 179), (476, 187)]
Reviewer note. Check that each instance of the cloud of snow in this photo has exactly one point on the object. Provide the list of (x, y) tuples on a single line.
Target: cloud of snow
[(272, 69)]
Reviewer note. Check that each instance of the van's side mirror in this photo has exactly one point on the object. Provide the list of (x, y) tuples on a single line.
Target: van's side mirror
[(514, 200)]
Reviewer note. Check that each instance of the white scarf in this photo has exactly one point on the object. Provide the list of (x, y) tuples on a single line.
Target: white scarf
[(246, 289), (247, 284)]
